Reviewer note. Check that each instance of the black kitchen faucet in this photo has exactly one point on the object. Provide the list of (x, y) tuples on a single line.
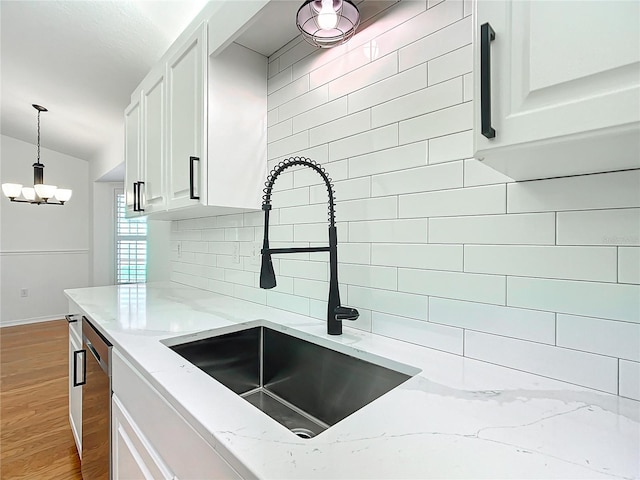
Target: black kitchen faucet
[(335, 312)]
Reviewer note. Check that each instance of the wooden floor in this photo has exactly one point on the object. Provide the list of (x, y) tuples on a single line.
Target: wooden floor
[(36, 442)]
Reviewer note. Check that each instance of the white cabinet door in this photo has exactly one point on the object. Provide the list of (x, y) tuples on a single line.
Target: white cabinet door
[(186, 80), (132, 154), (76, 374), (565, 87), (133, 458), (153, 141)]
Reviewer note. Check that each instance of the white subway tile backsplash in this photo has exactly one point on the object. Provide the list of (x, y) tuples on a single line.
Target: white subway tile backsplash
[(526, 228), (303, 103), (279, 233), (440, 337), (210, 234), (443, 41), (280, 131), (242, 234), (468, 87), (336, 171), (290, 198), (341, 128), (354, 252), (304, 269), (397, 158), (598, 264), (596, 335), (435, 257), (396, 86), (477, 173), (436, 124), (368, 276), (421, 179), (315, 289), (607, 190), (223, 288), (250, 294), (419, 27), (599, 227), (629, 379), (272, 116), (285, 146), (344, 190), (319, 115), (506, 321), (586, 369), (450, 65), (423, 101), (460, 286), (278, 81), (288, 93), (367, 75), (462, 201), (391, 231), (225, 221), (367, 142), (273, 68), (605, 300), (629, 265), (387, 301), (451, 147), (239, 276), (290, 303), (368, 209), (304, 214), (336, 68)]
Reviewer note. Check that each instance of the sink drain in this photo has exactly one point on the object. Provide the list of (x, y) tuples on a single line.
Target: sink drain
[(303, 433)]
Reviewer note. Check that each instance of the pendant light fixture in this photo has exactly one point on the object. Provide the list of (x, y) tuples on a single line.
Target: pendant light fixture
[(40, 193), (327, 23)]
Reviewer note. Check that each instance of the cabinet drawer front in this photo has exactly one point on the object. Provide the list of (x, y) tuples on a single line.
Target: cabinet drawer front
[(186, 453)]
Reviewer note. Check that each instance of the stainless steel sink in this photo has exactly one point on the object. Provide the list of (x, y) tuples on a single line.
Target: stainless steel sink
[(304, 386)]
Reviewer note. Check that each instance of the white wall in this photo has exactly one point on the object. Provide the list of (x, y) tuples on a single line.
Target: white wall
[(44, 249), (434, 247)]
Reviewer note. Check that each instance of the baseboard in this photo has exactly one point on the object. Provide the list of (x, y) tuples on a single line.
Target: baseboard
[(26, 321)]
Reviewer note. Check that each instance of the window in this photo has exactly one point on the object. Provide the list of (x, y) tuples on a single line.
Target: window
[(131, 246)]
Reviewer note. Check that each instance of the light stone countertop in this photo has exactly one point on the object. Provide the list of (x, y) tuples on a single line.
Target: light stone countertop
[(457, 418)]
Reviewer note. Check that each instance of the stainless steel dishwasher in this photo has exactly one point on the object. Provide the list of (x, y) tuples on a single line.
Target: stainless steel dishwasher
[(96, 405)]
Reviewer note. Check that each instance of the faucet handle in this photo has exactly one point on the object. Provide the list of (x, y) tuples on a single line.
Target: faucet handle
[(346, 313)]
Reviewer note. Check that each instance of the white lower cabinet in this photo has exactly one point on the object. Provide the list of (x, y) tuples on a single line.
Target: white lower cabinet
[(133, 458), (76, 372), (150, 439)]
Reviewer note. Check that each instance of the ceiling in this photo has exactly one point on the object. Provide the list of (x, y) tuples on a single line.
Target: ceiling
[(81, 60)]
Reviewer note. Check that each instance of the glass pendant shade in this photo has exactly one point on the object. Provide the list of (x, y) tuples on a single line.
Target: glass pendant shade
[(327, 23), (45, 191), (11, 190), (63, 194), (29, 193)]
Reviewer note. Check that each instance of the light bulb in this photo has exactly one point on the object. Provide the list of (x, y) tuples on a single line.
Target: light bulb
[(327, 17)]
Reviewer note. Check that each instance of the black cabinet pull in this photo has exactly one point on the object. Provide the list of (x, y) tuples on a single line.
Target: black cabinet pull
[(70, 318), (487, 35), (75, 367), (140, 199), (192, 193), (135, 196)]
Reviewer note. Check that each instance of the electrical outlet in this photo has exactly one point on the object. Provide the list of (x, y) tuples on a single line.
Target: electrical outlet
[(24, 292), (255, 254), (179, 249), (236, 253)]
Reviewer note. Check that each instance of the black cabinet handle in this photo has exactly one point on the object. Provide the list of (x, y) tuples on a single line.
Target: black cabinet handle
[(70, 318), (135, 196), (75, 367), (192, 193), (487, 35), (140, 199)]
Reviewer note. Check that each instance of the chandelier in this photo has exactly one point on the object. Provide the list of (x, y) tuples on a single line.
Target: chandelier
[(40, 193)]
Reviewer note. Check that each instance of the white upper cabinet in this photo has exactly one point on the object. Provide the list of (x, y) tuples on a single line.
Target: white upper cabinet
[(153, 141), (186, 69), (132, 156), (562, 87)]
